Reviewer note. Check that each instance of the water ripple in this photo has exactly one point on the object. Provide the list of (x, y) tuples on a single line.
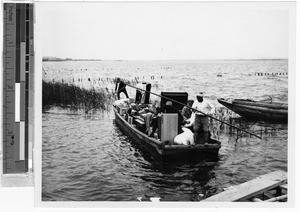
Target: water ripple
[(88, 158)]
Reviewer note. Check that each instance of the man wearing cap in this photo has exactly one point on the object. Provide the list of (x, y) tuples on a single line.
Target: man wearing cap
[(202, 108)]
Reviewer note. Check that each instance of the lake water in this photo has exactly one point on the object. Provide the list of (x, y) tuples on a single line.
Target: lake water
[(88, 158)]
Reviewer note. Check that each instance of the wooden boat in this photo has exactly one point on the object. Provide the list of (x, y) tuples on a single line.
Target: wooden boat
[(166, 152), (270, 187), (251, 109)]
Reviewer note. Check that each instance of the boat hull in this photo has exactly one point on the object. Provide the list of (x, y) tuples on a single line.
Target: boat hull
[(268, 187), (170, 153), (257, 110)]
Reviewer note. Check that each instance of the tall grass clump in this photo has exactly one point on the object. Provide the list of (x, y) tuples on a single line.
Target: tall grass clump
[(74, 97)]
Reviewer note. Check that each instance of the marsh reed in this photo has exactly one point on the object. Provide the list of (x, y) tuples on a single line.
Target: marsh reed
[(71, 96)]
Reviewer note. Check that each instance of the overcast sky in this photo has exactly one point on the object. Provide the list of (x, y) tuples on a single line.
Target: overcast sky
[(163, 31)]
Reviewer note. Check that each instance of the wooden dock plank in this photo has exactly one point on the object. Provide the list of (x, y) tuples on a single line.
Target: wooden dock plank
[(251, 188)]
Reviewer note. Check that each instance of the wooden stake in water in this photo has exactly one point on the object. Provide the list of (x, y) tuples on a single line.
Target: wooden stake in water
[(18, 54)]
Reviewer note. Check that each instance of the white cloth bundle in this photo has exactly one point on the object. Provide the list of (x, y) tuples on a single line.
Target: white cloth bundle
[(185, 138), (121, 103)]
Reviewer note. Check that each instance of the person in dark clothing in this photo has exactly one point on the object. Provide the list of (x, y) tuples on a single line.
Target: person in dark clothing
[(154, 121), (121, 88), (186, 110), (138, 97)]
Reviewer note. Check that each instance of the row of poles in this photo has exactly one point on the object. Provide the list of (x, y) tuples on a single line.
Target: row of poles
[(107, 79), (271, 74)]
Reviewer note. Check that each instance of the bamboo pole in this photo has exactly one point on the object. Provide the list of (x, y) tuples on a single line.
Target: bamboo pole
[(194, 109), (274, 199)]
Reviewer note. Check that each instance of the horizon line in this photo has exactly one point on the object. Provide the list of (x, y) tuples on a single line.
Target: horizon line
[(80, 59)]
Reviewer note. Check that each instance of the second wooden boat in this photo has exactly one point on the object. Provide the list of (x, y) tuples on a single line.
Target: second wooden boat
[(251, 109)]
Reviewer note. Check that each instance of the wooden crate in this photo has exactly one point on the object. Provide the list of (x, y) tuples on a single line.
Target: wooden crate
[(167, 126), (130, 120), (140, 125)]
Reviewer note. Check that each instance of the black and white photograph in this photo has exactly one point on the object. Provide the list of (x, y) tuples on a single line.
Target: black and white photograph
[(167, 102)]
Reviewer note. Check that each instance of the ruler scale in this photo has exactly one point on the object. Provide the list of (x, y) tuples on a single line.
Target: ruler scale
[(18, 54)]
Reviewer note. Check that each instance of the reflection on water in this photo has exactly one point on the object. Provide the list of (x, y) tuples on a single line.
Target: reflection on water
[(88, 158)]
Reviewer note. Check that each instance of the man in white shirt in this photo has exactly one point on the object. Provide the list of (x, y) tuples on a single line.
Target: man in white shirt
[(201, 124)]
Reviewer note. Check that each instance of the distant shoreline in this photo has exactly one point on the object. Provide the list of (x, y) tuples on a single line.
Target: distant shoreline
[(54, 59)]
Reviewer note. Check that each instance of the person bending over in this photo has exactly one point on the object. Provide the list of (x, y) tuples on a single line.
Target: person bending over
[(121, 88)]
